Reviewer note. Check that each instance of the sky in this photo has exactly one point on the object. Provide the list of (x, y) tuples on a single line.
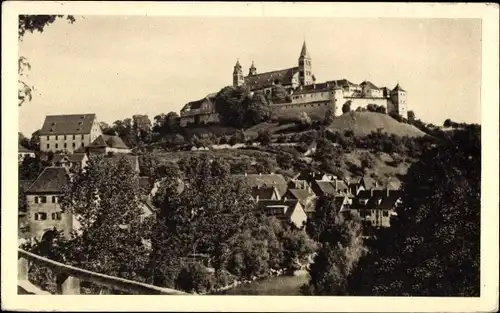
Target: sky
[(118, 66)]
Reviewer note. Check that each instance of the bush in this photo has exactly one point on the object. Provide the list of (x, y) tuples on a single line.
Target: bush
[(194, 278), (346, 107)]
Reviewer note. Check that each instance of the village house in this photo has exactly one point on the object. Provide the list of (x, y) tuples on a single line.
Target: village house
[(259, 193), (376, 206), (23, 152), (286, 210), (335, 187), (70, 161), (68, 133), (306, 198), (105, 144), (265, 180), (44, 213)]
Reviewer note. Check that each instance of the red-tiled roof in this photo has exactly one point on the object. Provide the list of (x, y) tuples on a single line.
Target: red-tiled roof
[(268, 79), (67, 124), (51, 180)]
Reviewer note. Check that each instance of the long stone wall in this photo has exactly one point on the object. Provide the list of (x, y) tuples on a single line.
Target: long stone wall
[(316, 110)]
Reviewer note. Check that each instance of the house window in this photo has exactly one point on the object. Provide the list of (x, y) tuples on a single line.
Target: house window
[(385, 213), (56, 216), (54, 199), (48, 146), (64, 137), (36, 199), (43, 199), (56, 137), (74, 137), (57, 146), (36, 216), (48, 137), (82, 136), (74, 145), (65, 145), (42, 216), (82, 144)]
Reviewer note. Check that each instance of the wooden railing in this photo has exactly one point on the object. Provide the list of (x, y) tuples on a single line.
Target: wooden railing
[(69, 278)]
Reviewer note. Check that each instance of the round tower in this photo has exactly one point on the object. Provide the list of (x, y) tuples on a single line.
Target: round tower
[(305, 67), (337, 100), (238, 78), (398, 102)]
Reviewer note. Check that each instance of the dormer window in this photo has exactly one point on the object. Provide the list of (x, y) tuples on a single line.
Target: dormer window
[(80, 123)]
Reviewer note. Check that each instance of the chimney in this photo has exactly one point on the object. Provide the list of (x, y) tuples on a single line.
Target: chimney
[(387, 191), (371, 192)]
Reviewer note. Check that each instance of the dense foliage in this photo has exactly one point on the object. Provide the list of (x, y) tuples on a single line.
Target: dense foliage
[(433, 246)]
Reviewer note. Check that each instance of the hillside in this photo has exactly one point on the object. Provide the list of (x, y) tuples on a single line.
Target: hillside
[(363, 123)]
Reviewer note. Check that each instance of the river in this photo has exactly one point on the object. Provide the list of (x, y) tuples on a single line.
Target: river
[(277, 286)]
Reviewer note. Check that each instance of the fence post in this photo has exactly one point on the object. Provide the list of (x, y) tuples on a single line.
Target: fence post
[(69, 285), (22, 268)]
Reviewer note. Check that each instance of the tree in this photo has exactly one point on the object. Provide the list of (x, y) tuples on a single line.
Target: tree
[(106, 129), (237, 137), (142, 128), (264, 137), (447, 123), (433, 246), (279, 94), (380, 109), (31, 23), (31, 168), (346, 108), (212, 208), (23, 141), (341, 242), (35, 140), (329, 116), (297, 247), (111, 237)]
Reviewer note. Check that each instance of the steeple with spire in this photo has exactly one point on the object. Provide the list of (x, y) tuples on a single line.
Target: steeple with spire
[(305, 66), (238, 78), (252, 70)]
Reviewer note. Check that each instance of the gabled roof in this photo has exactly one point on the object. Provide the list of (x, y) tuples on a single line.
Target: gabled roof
[(263, 80), (108, 141), (334, 187), (342, 83), (369, 84), (197, 104), (22, 149), (75, 157), (398, 88), (268, 180), (25, 184), (67, 124), (288, 204), (51, 180), (263, 192), (303, 195), (377, 199)]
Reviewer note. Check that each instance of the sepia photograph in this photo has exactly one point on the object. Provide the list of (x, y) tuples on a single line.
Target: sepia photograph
[(224, 154)]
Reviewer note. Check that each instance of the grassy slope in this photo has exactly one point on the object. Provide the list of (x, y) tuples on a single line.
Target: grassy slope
[(362, 123), (385, 168)]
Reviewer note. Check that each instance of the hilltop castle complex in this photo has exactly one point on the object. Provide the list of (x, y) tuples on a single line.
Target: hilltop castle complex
[(306, 94)]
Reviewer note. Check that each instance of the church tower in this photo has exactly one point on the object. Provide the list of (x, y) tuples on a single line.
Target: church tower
[(252, 70), (238, 78), (305, 67)]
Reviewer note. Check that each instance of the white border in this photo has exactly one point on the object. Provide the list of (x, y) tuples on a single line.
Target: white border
[(489, 217)]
